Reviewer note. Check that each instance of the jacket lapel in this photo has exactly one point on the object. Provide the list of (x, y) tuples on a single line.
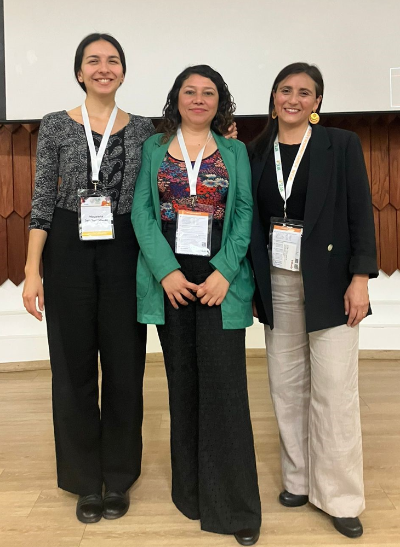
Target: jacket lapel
[(321, 161), (225, 148), (156, 160)]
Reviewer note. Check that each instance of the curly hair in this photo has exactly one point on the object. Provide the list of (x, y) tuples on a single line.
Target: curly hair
[(226, 106)]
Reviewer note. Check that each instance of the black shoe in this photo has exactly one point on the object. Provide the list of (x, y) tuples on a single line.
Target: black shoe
[(247, 536), (292, 500), (115, 504), (350, 527), (89, 509)]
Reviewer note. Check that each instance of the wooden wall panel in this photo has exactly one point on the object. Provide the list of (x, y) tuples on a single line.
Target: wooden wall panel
[(3, 251), (388, 239), (377, 235), (363, 130), (22, 172), (6, 173), (380, 139), (16, 248), (394, 162), (27, 220), (34, 138), (380, 164)]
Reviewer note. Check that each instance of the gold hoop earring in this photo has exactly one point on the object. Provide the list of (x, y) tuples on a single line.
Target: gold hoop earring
[(274, 115), (314, 118)]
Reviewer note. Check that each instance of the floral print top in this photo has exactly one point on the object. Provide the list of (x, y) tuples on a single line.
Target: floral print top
[(174, 190)]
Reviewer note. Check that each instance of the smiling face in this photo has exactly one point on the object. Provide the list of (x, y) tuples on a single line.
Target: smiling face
[(198, 101), (295, 99), (101, 69)]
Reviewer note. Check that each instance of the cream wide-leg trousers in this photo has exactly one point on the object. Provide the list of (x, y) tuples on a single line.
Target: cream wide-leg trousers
[(314, 389)]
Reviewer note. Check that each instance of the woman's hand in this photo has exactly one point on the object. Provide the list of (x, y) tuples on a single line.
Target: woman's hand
[(356, 299), (232, 132), (33, 289), (213, 290), (255, 312), (177, 286)]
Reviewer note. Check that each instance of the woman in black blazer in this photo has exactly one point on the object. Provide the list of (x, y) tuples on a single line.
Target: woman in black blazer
[(312, 263)]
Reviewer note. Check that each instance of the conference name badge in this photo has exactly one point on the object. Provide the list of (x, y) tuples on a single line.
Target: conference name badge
[(95, 216), (285, 243), (193, 231)]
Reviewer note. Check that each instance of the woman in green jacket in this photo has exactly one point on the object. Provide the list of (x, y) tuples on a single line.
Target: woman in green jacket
[(192, 215)]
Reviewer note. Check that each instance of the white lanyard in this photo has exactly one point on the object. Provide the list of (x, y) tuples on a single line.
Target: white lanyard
[(278, 165), (96, 159), (192, 172)]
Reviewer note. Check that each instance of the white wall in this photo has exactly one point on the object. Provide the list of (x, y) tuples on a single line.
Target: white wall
[(23, 338)]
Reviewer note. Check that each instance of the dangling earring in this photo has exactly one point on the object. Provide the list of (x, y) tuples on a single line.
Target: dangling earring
[(314, 118), (274, 115)]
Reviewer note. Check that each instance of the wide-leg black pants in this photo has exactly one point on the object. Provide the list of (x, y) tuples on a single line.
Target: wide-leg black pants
[(90, 303), (214, 475)]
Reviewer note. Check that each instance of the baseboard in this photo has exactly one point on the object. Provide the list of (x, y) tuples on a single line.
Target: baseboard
[(380, 354), (157, 358)]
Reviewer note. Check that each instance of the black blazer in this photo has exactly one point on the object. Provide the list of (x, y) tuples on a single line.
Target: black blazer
[(339, 234)]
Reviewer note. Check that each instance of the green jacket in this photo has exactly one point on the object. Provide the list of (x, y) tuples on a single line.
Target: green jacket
[(156, 259)]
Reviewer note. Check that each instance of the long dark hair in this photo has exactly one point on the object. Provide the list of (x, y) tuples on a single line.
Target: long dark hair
[(95, 37), (226, 106), (264, 141)]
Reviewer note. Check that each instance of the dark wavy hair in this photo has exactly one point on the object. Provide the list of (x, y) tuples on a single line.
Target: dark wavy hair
[(226, 106), (265, 140), (95, 37)]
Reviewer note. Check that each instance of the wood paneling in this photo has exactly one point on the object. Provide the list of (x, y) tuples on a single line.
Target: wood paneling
[(377, 236), (388, 239), (3, 251), (34, 138), (394, 162), (6, 173), (380, 139), (22, 172), (380, 164), (363, 129), (16, 248)]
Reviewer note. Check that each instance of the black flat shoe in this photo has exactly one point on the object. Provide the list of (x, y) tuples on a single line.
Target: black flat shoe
[(248, 536), (89, 509), (115, 504), (292, 500), (350, 527)]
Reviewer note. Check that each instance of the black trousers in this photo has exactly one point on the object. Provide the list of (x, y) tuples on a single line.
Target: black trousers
[(214, 475), (90, 303)]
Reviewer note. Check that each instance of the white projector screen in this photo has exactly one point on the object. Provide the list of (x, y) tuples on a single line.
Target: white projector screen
[(355, 43)]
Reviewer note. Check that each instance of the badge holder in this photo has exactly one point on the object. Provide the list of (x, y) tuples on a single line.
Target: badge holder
[(193, 231), (285, 243), (95, 216)]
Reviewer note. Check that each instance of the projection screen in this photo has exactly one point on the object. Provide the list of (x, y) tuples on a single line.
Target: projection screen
[(355, 43)]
